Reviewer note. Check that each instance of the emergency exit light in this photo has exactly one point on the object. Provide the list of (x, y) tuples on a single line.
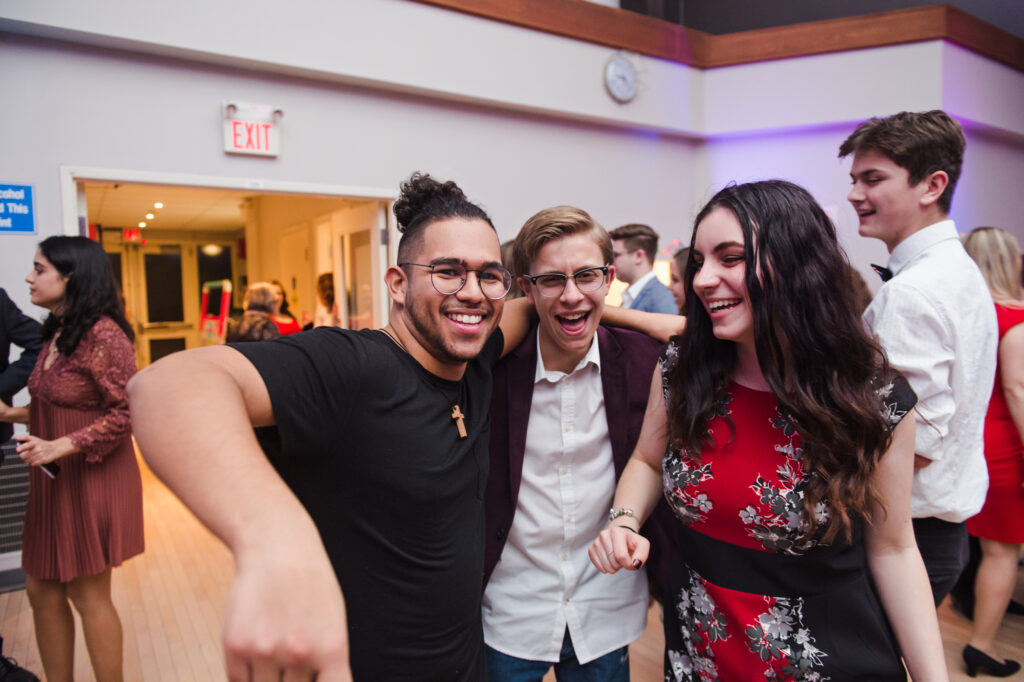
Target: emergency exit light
[(252, 129)]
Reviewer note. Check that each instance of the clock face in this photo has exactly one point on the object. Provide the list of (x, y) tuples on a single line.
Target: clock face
[(620, 79)]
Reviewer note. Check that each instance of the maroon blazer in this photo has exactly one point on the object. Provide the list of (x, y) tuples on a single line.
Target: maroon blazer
[(628, 360)]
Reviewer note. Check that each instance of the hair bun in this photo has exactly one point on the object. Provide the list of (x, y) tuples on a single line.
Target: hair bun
[(422, 192)]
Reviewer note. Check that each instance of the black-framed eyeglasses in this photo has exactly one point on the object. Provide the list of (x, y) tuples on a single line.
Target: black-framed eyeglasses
[(553, 283), (448, 277)]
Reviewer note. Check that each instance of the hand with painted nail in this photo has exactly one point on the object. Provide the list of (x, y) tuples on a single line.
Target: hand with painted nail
[(619, 546)]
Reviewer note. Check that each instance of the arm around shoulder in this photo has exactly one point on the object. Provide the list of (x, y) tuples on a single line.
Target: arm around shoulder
[(659, 326), (516, 318)]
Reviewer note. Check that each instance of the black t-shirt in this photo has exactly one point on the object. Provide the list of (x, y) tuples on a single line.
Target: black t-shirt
[(365, 440)]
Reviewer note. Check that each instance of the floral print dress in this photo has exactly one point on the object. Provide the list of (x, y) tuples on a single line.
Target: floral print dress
[(750, 598)]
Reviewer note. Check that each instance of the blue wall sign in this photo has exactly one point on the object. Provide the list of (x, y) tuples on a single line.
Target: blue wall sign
[(16, 210)]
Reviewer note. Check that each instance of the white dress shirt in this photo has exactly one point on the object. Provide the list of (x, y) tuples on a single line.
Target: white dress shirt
[(936, 321), (634, 289), (544, 581)]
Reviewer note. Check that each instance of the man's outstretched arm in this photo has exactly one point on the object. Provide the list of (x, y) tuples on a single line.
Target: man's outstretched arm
[(193, 415), (659, 326)]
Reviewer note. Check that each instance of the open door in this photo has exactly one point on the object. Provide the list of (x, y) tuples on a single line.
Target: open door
[(360, 245)]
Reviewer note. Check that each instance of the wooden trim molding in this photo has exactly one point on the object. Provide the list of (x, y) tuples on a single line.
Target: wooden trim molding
[(626, 30), (590, 22)]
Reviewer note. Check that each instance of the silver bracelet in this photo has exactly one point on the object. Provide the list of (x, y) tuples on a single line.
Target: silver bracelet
[(615, 513)]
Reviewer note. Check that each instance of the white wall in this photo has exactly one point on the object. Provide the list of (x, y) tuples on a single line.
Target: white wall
[(823, 89), (374, 89), (108, 109), (808, 157), (388, 44), (989, 191)]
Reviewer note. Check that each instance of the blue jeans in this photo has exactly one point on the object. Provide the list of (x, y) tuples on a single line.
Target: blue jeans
[(612, 667)]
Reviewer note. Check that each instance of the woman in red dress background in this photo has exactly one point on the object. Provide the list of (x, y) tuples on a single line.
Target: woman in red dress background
[(784, 445), (85, 516), (999, 525), (282, 317)]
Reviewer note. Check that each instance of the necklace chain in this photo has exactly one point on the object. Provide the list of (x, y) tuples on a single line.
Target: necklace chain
[(457, 414)]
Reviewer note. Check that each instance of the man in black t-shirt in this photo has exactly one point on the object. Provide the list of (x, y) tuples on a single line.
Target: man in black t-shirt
[(380, 437)]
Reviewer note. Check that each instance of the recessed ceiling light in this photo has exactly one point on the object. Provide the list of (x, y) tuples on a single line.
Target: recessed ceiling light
[(158, 204), (142, 224), (212, 250), (150, 216)]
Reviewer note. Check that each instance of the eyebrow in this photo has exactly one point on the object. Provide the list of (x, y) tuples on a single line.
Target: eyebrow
[(721, 247), (866, 171), (459, 261), (577, 270)]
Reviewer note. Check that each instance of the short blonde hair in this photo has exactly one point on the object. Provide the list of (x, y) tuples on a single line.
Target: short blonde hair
[(555, 223), (998, 257)]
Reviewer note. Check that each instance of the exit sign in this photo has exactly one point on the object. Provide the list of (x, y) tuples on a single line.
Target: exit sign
[(252, 129)]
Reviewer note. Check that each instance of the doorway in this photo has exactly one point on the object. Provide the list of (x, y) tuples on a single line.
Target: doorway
[(202, 233)]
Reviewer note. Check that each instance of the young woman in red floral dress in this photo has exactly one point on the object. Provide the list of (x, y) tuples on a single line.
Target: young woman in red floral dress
[(779, 437)]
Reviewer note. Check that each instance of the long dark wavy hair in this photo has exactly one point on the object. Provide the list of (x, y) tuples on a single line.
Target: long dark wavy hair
[(90, 294), (811, 347)]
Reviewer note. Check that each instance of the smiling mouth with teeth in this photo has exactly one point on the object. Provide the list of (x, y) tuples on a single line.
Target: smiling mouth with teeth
[(466, 319), (718, 306)]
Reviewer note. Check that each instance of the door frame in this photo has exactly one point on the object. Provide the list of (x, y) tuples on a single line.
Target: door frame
[(75, 221)]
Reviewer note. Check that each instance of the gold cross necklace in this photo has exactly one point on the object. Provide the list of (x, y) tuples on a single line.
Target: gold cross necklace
[(457, 414)]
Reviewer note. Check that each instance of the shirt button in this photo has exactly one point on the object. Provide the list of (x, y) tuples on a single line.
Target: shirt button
[(565, 557), (565, 470), (569, 518)]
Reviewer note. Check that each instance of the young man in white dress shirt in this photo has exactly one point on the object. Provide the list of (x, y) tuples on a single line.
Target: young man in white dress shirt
[(934, 317), (566, 412)]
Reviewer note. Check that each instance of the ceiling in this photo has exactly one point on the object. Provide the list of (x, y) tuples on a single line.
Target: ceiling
[(122, 205)]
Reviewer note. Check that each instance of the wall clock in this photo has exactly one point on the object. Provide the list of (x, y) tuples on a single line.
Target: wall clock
[(620, 78)]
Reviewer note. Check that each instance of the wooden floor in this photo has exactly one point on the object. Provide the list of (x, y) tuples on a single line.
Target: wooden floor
[(171, 601)]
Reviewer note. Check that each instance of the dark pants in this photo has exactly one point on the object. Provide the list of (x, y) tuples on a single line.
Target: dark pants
[(612, 667), (944, 549)]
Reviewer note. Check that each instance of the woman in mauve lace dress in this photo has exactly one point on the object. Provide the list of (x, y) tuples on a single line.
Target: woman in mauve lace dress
[(84, 511)]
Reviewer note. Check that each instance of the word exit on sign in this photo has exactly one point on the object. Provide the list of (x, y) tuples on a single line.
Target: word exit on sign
[(252, 129)]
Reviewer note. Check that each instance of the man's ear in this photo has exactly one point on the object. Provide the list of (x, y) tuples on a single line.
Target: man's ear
[(935, 185), (396, 281), (611, 276), (524, 286), (639, 256)]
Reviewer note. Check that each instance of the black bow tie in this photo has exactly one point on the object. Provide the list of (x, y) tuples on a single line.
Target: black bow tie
[(883, 272)]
